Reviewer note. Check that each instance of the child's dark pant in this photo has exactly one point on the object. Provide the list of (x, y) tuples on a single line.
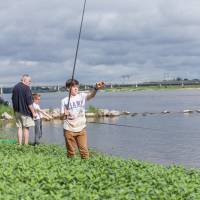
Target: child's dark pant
[(74, 139), (38, 130)]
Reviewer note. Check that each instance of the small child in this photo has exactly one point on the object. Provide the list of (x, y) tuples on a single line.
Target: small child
[(73, 113), (38, 118)]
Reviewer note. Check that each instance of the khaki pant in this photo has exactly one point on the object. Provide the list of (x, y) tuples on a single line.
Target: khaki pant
[(74, 139), (23, 121)]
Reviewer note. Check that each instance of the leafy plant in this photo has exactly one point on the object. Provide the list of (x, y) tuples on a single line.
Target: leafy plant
[(92, 109), (44, 172)]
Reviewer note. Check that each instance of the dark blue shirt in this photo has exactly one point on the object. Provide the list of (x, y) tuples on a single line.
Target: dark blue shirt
[(22, 99)]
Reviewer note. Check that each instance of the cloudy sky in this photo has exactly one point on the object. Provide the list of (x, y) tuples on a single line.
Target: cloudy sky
[(146, 39)]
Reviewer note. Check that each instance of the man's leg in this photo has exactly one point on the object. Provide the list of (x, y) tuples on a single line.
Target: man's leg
[(19, 136), (27, 123), (70, 143), (81, 140), (19, 125), (26, 135)]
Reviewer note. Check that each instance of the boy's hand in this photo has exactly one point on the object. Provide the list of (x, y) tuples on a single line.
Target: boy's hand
[(50, 118), (34, 115), (66, 112), (99, 85)]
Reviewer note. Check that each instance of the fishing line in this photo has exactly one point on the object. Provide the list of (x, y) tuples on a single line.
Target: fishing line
[(140, 127), (76, 54), (120, 125), (124, 125)]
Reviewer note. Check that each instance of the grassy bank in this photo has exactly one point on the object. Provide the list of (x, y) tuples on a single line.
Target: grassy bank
[(92, 109), (141, 88), (7, 109), (44, 172)]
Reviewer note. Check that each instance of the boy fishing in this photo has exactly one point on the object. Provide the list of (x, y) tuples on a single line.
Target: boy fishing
[(73, 112)]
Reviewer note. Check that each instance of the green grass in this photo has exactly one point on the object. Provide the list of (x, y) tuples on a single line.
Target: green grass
[(43, 172), (7, 109), (92, 109)]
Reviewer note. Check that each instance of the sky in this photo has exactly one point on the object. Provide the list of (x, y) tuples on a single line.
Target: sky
[(122, 41)]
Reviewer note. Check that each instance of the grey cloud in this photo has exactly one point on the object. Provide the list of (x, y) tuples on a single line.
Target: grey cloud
[(144, 39)]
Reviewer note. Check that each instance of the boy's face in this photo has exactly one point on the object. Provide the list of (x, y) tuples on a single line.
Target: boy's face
[(74, 90), (36, 100)]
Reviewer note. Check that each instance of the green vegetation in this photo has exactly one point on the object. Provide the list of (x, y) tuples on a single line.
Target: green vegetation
[(43, 172), (7, 109), (140, 88), (93, 109), (8, 141)]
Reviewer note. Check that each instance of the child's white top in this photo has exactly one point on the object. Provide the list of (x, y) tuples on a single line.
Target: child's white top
[(77, 120), (38, 114)]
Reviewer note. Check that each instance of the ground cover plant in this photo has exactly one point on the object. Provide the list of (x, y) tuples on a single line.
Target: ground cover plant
[(44, 172)]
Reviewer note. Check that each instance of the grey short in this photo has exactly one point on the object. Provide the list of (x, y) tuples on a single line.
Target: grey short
[(23, 121)]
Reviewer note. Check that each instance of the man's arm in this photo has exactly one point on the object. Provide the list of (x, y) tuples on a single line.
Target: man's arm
[(32, 110)]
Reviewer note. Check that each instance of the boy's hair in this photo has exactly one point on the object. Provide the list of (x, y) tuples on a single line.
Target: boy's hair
[(35, 96), (69, 83)]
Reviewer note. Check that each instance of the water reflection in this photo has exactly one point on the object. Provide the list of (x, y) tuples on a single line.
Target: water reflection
[(8, 130)]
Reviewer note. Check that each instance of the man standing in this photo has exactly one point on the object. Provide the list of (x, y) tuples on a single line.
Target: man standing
[(23, 107)]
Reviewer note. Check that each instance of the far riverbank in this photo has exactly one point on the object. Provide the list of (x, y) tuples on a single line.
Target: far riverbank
[(116, 87), (146, 88)]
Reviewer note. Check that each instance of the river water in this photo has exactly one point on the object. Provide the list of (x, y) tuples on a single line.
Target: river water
[(172, 138)]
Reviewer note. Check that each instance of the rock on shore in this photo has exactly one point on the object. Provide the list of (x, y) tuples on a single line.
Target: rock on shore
[(55, 113), (6, 116)]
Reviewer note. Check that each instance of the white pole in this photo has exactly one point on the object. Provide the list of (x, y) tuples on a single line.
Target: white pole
[(1, 91)]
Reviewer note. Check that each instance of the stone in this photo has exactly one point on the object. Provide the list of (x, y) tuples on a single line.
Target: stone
[(90, 114), (47, 110), (6, 116), (188, 111), (165, 112), (145, 114), (133, 114), (125, 113), (114, 113), (103, 112), (55, 113)]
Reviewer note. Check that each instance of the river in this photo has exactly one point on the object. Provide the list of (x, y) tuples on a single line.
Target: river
[(172, 138)]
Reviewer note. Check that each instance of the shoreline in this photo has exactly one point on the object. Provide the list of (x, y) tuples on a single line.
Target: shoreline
[(150, 88)]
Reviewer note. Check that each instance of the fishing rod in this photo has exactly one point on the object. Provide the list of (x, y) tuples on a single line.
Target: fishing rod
[(76, 53)]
